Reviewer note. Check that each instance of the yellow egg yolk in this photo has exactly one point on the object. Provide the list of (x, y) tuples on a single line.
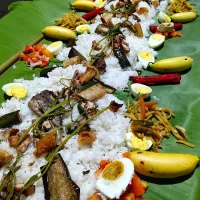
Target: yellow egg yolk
[(138, 143), (113, 171), (100, 2), (142, 90), (146, 55), (158, 37), (18, 92), (54, 44), (83, 28)]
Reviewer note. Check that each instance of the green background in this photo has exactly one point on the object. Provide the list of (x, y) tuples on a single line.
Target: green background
[(26, 20)]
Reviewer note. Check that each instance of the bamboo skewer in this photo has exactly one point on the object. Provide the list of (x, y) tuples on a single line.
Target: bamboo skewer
[(7, 64)]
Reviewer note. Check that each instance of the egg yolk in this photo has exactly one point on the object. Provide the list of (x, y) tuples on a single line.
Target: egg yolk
[(100, 2), (113, 171), (138, 143), (54, 44), (142, 90), (146, 55), (18, 91), (83, 28), (158, 37)]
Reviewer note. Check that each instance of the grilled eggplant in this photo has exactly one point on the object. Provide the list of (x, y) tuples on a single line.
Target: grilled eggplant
[(73, 52), (58, 184), (10, 119)]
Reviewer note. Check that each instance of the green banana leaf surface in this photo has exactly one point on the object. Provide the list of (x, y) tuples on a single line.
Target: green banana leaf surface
[(25, 22)]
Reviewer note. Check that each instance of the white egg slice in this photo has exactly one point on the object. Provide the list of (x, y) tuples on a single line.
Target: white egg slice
[(145, 58), (83, 28), (55, 48), (163, 17), (115, 178), (156, 40), (133, 142), (137, 88), (17, 90), (100, 3)]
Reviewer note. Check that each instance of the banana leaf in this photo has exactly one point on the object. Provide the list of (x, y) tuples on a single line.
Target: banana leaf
[(24, 23)]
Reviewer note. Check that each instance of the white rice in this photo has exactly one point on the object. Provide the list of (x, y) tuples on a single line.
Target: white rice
[(109, 127)]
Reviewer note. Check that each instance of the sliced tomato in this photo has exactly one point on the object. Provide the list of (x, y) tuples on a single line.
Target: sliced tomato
[(129, 196), (47, 53), (34, 60), (23, 57), (34, 54), (29, 49), (103, 163), (28, 60), (38, 47), (44, 64), (137, 186)]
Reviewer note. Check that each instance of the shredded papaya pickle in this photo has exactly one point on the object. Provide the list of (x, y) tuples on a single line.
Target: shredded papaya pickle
[(155, 123), (178, 6)]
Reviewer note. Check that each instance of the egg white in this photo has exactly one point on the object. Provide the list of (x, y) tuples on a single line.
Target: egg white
[(86, 27), (114, 189), (146, 62), (7, 87), (138, 85), (154, 42), (55, 48)]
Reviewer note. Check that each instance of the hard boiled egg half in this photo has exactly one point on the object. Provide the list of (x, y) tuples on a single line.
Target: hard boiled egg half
[(137, 88), (100, 3), (156, 40), (145, 58), (115, 178), (83, 28), (17, 90), (55, 48), (134, 142)]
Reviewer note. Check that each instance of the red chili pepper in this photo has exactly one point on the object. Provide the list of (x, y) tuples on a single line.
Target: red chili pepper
[(92, 14), (158, 79), (177, 26)]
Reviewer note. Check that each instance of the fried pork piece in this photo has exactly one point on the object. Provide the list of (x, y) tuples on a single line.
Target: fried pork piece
[(5, 157), (46, 144), (24, 144), (93, 93), (72, 61)]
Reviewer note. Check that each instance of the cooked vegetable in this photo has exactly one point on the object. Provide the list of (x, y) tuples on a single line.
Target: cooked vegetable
[(58, 32), (143, 110), (93, 93), (5, 157), (162, 165), (109, 89), (86, 138), (58, 183), (183, 17), (46, 144), (72, 61), (137, 186), (92, 14), (158, 79), (85, 5), (177, 26), (158, 116), (70, 20), (172, 65), (121, 56), (73, 52), (10, 119)]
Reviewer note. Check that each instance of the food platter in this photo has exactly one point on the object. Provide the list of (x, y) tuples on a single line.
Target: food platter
[(182, 99)]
